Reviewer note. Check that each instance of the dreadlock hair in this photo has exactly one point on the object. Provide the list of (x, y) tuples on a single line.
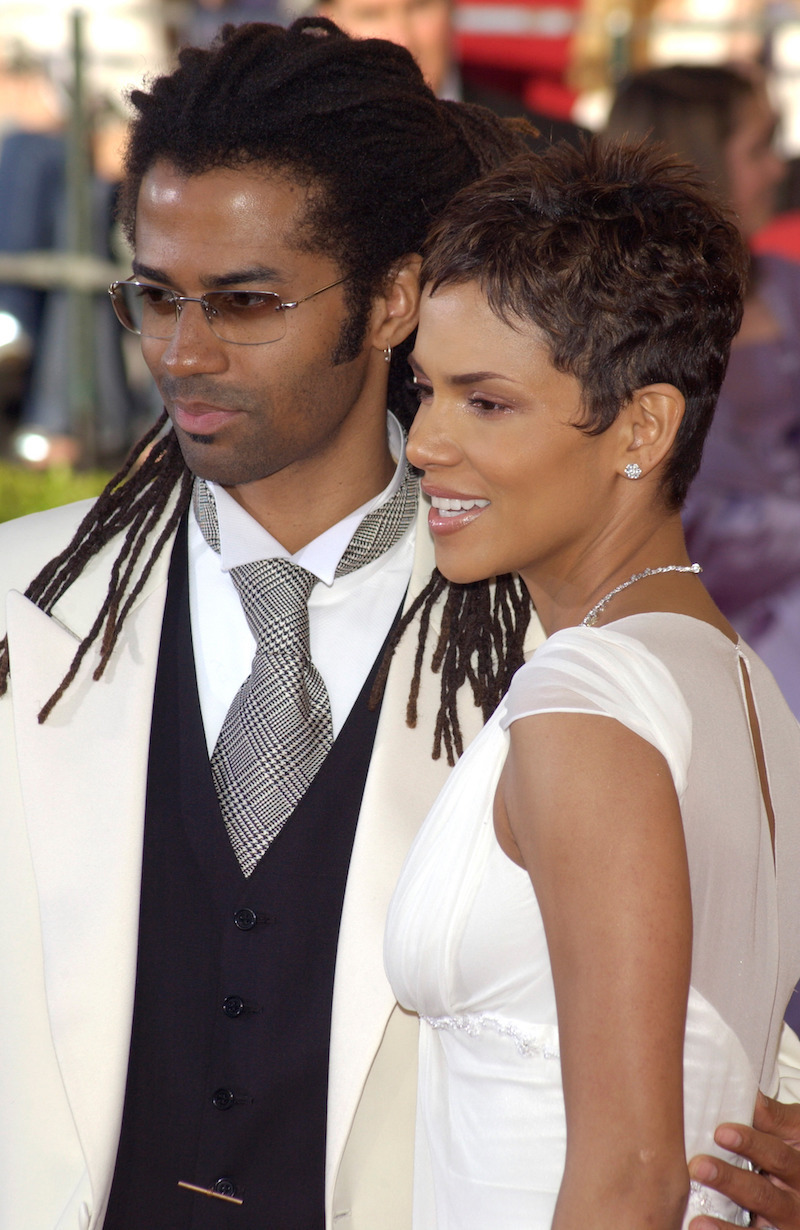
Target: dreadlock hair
[(354, 122), (481, 641), (133, 501)]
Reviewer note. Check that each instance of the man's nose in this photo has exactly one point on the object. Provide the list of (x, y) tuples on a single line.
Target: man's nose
[(194, 346)]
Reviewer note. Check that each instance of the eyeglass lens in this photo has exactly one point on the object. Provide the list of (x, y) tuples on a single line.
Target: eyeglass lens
[(245, 317)]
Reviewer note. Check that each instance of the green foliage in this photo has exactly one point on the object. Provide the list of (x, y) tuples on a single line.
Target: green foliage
[(25, 491)]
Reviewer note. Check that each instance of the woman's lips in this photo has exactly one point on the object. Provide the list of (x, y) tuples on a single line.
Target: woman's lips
[(451, 513), (199, 419)]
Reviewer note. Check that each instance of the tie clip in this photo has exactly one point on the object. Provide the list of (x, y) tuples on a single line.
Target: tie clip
[(207, 1191)]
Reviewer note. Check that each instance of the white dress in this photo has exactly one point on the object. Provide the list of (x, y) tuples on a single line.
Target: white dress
[(465, 943)]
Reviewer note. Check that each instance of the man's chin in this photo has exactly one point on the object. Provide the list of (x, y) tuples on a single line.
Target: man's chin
[(215, 470), (200, 455), (207, 458)]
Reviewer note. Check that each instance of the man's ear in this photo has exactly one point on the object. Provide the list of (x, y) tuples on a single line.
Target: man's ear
[(648, 425), (395, 311)]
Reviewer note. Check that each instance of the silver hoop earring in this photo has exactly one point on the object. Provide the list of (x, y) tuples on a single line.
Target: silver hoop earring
[(633, 470), (387, 355)]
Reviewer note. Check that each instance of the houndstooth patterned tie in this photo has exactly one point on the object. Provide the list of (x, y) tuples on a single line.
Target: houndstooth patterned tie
[(278, 730)]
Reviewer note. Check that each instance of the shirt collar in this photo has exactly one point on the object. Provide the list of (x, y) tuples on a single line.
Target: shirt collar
[(243, 540)]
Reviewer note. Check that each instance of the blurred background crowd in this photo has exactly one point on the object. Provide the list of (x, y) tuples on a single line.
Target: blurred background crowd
[(717, 80)]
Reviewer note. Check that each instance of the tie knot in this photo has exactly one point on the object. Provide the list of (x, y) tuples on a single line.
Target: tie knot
[(274, 595)]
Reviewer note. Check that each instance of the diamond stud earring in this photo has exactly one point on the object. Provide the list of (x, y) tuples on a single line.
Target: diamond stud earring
[(633, 470)]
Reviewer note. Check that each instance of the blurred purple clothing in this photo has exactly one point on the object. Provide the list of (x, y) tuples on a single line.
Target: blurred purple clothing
[(743, 513), (203, 24)]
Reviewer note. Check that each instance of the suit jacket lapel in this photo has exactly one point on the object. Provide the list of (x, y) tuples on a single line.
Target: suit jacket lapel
[(83, 777)]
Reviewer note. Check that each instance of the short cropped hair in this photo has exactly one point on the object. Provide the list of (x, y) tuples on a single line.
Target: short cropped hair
[(633, 272)]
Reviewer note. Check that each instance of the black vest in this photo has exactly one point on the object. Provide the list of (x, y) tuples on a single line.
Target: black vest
[(228, 1070)]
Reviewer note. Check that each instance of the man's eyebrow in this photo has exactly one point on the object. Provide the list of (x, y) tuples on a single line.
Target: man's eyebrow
[(258, 273), (144, 271), (235, 277)]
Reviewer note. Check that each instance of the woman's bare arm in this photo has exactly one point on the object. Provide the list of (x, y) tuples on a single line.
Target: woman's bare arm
[(589, 808)]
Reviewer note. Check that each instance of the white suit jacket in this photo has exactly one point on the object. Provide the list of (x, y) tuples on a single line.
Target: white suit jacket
[(72, 799)]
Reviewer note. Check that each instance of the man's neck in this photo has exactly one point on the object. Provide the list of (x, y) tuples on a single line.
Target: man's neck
[(301, 501)]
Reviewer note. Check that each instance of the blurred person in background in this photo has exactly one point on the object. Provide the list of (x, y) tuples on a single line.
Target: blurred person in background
[(426, 28), (119, 42), (423, 27), (35, 218), (204, 18), (31, 154), (743, 516)]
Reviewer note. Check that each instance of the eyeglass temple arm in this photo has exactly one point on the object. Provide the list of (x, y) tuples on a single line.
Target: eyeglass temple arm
[(314, 293)]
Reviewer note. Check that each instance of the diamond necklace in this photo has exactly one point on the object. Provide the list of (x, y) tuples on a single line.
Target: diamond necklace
[(591, 619)]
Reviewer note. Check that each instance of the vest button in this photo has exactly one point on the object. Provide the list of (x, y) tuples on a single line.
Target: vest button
[(224, 1187), (222, 1098), (245, 919), (233, 1005)]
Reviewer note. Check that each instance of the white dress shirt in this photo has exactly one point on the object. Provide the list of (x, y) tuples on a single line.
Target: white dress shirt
[(349, 616)]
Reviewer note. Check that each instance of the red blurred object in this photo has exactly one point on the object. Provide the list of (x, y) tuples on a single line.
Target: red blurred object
[(781, 236), (522, 48)]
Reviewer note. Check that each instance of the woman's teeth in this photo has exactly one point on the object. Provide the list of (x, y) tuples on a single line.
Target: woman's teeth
[(452, 508)]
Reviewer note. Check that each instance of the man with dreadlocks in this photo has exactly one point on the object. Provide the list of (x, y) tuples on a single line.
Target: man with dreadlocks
[(188, 858)]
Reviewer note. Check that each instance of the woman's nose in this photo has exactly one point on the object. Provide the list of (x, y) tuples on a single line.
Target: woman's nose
[(431, 440)]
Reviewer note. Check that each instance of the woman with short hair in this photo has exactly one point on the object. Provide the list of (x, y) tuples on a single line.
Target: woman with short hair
[(596, 922)]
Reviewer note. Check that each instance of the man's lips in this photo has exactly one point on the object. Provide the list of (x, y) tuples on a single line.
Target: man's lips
[(449, 512), (199, 418)]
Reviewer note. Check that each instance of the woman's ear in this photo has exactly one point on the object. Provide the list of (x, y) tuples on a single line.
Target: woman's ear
[(395, 311), (648, 426)]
